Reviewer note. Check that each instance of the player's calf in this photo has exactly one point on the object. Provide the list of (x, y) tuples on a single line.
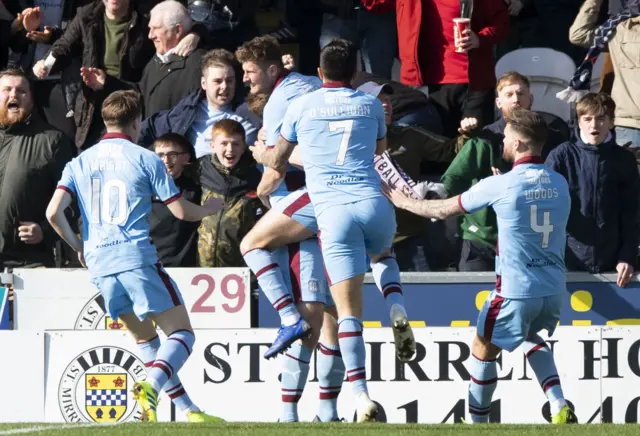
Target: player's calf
[(484, 379), (258, 249), (295, 362), (386, 274), (347, 295), (541, 360), (330, 368)]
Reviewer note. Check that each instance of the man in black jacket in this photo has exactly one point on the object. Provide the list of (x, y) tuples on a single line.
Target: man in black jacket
[(31, 163), (602, 233), (168, 78), (176, 240), (113, 43)]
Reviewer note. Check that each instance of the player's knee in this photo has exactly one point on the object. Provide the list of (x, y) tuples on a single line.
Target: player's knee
[(254, 239), (375, 258), (246, 244), (484, 349)]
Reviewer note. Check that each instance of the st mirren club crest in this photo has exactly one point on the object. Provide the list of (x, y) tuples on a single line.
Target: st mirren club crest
[(106, 396), (96, 385), (94, 316)]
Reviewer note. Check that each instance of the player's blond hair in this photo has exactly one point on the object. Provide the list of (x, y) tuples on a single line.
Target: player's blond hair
[(121, 108)]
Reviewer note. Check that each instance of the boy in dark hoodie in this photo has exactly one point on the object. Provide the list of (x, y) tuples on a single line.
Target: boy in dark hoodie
[(229, 174), (602, 234)]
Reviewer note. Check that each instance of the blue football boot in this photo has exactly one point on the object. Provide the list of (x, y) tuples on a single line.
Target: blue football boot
[(287, 335)]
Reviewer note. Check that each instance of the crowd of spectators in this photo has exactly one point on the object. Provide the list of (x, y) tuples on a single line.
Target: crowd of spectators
[(62, 58)]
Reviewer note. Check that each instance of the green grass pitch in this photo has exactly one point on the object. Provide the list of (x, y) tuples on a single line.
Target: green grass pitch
[(255, 429)]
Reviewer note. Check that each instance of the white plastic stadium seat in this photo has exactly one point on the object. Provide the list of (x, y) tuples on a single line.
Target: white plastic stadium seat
[(549, 72)]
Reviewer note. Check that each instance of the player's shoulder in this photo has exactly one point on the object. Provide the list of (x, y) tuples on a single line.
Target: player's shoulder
[(294, 85)]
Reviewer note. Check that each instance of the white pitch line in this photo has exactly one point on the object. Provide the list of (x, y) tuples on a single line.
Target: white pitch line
[(41, 428)]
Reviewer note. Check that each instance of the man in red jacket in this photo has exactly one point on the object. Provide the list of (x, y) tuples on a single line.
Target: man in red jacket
[(460, 84)]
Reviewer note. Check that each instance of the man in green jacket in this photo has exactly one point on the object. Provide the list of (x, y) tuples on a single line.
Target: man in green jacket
[(481, 157)]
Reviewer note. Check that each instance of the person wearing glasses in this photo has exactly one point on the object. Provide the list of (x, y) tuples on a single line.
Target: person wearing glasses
[(176, 240)]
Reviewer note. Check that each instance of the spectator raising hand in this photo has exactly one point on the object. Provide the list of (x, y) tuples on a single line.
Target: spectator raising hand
[(31, 19), (468, 125), (94, 78), (30, 233), (43, 37)]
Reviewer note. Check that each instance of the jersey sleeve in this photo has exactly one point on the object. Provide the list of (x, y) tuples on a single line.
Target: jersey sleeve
[(67, 182), (288, 130), (162, 184), (483, 194), (378, 111), (272, 122), (250, 122)]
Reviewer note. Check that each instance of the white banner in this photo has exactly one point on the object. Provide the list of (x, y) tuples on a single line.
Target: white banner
[(58, 299), (22, 369), (227, 376)]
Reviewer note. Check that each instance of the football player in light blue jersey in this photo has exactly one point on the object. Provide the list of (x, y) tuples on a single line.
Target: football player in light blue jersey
[(339, 131), (114, 183), (298, 289), (532, 204)]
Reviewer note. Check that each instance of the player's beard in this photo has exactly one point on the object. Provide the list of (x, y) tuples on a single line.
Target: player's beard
[(9, 118)]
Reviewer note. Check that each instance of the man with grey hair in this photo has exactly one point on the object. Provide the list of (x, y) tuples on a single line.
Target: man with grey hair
[(168, 78)]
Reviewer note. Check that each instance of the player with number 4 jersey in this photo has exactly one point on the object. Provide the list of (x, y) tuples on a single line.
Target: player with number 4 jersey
[(532, 204), (114, 183)]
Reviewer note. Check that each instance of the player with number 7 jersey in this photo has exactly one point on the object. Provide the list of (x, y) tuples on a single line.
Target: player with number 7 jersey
[(114, 183), (339, 130)]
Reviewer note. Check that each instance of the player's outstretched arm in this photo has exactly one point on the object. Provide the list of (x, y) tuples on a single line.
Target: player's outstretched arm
[(438, 209), (187, 211), (55, 214)]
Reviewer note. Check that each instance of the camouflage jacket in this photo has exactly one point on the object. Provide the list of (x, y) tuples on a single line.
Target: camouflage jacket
[(219, 235)]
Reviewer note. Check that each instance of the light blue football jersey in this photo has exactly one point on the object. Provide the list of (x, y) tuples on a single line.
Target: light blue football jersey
[(114, 182), (532, 204), (337, 129), (292, 86)]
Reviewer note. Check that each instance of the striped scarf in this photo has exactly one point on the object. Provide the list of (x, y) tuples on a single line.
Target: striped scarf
[(581, 80)]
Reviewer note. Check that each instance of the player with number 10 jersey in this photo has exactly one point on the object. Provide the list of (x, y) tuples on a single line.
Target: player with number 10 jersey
[(114, 183)]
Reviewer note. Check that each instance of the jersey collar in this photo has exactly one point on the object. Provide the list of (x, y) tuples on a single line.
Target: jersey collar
[(336, 85), (529, 160), (116, 135)]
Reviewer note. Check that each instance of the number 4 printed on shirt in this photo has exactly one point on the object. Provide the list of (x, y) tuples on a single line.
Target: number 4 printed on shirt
[(546, 228)]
